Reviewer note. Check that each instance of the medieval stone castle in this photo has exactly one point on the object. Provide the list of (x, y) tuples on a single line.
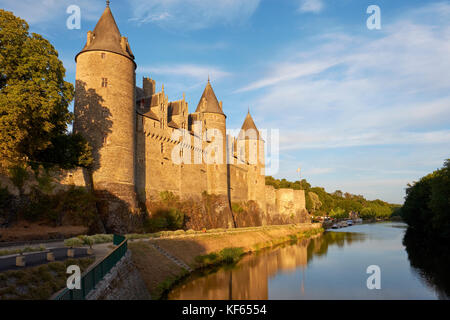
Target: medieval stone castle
[(137, 134)]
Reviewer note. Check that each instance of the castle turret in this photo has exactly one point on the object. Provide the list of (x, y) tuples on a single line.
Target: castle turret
[(213, 119), (251, 150), (105, 108)]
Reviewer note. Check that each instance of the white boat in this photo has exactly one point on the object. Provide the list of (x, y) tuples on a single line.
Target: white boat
[(343, 224), (350, 222), (334, 226)]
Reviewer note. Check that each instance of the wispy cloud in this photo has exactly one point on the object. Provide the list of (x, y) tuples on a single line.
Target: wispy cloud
[(314, 6), (191, 14), (289, 71), (196, 72), (318, 171), (357, 91)]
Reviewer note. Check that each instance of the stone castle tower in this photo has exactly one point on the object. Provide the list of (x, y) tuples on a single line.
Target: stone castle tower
[(105, 108), (135, 136), (209, 112)]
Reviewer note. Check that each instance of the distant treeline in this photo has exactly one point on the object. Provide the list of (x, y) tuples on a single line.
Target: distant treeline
[(337, 204), (427, 204)]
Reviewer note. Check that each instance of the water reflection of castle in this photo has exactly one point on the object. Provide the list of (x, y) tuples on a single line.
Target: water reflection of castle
[(250, 279)]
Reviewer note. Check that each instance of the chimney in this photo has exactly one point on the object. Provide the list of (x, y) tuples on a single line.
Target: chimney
[(149, 86)]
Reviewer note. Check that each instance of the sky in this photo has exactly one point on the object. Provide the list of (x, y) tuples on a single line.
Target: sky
[(361, 110)]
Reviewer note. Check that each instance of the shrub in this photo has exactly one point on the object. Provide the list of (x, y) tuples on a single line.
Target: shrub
[(231, 255), (75, 205), (236, 207), (19, 176), (165, 219), (168, 197), (73, 242)]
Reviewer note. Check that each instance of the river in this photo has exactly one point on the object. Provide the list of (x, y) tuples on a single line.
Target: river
[(331, 266)]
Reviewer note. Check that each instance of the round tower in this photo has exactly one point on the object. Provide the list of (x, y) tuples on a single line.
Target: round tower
[(105, 108), (214, 127), (251, 149)]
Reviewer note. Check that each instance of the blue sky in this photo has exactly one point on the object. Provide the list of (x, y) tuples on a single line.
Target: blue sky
[(363, 111)]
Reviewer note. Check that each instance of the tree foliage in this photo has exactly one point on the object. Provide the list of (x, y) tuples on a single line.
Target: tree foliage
[(427, 203), (34, 98), (319, 202)]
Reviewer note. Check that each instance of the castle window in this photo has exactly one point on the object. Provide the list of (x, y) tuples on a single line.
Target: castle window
[(162, 147), (104, 82), (103, 55)]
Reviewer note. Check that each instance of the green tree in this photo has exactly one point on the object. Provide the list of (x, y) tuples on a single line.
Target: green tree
[(34, 97), (427, 203)]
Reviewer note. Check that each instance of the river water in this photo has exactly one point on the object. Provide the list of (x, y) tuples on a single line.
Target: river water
[(331, 266)]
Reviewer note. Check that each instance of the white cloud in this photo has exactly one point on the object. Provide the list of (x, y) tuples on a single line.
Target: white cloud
[(192, 14), (196, 72), (318, 171), (289, 71), (314, 6), (361, 91)]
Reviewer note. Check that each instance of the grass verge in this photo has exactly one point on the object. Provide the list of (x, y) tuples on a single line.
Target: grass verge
[(8, 252)]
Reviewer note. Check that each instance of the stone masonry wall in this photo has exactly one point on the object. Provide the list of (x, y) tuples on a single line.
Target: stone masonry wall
[(123, 282)]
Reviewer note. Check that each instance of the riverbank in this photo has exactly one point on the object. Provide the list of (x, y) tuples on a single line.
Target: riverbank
[(163, 262)]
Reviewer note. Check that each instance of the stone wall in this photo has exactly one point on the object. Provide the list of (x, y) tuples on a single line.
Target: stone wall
[(271, 199), (238, 183), (123, 282), (60, 179), (299, 200)]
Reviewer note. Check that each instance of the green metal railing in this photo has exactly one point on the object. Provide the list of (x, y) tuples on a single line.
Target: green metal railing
[(95, 274)]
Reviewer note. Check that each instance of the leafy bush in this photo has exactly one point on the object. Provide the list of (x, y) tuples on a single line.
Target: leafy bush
[(165, 219), (75, 205), (338, 213), (236, 207), (168, 197), (226, 256), (427, 205), (83, 240), (73, 242), (18, 175)]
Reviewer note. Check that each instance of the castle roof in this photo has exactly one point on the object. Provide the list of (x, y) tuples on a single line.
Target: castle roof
[(150, 114), (173, 124), (106, 37), (208, 102), (248, 124), (175, 108)]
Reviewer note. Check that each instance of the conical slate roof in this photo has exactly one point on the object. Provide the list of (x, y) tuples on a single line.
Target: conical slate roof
[(106, 36), (247, 126), (211, 102)]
